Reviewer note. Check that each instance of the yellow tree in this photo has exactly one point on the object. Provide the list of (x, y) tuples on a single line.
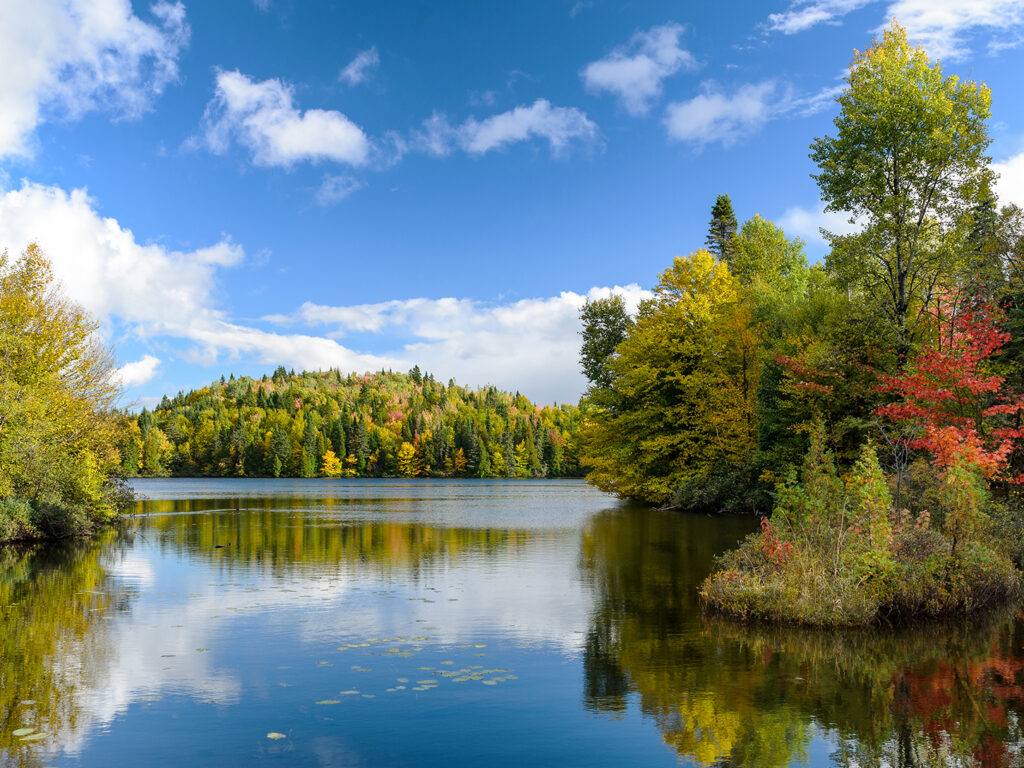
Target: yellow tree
[(682, 395), (331, 466), (408, 461), (57, 388)]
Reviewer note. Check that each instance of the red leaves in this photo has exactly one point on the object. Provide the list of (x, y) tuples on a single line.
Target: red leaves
[(960, 407), (774, 550)]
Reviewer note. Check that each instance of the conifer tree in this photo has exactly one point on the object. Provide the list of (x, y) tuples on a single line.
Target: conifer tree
[(721, 239)]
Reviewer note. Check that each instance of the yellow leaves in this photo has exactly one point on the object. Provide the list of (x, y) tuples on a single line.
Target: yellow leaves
[(331, 466), (56, 388), (408, 462)]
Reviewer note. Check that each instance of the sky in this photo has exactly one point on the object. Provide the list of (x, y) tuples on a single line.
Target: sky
[(235, 185)]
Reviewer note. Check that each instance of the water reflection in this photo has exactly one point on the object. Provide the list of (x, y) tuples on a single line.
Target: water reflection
[(729, 694), (471, 614)]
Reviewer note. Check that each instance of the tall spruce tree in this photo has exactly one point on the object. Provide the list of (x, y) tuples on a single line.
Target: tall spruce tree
[(721, 239)]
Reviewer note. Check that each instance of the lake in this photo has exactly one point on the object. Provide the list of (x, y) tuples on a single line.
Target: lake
[(447, 623)]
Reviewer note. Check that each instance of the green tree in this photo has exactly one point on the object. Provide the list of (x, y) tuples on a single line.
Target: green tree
[(909, 161), (605, 324)]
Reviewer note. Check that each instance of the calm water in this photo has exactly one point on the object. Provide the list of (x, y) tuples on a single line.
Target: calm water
[(456, 624)]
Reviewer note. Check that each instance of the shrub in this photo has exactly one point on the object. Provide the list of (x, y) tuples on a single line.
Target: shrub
[(836, 553), (15, 520)]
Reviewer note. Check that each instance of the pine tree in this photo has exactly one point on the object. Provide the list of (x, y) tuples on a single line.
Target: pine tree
[(721, 238)]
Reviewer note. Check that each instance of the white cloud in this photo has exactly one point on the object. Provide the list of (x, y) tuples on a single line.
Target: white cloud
[(807, 223), (714, 116), (60, 59), (559, 126), (262, 117), (531, 345), (139, 372), (634, 72), (153, 291), (939, 25), (156, 294), (334, 189), (1010, 185), (804, 14), (358, 70)]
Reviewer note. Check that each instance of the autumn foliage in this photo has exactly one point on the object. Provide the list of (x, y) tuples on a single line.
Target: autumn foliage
[(960, 407)]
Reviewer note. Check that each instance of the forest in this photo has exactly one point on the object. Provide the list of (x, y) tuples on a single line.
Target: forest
[(868, 407), (328, 424)]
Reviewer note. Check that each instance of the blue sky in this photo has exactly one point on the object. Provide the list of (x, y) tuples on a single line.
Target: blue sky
[(236, 184)]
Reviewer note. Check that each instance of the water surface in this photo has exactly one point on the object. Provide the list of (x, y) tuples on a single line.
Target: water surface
[(499, 623)]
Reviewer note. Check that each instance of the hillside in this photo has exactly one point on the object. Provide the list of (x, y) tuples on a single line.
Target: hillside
[(326, 424)]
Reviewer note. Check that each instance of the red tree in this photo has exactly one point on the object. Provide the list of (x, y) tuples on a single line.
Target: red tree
[(962, 408)]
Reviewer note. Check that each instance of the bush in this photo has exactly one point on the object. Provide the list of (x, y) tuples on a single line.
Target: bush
[(16, 520), (837, 553)]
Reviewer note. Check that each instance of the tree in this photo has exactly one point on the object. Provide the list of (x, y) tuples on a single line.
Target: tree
[(683, 394), (961, 408), (331, 466), (908, 160), (408, 462), (57, 387), (765, 256), (721, 239), (605, 324)]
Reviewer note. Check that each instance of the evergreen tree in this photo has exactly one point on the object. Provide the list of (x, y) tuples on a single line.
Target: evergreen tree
[(721, 239)]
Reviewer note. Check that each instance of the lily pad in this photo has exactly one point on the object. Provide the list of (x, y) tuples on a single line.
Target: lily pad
[(22, 732), (34, 737), (275, 735), (325, 702)]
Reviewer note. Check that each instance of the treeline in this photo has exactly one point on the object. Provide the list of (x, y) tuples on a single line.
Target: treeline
[(328, 424)]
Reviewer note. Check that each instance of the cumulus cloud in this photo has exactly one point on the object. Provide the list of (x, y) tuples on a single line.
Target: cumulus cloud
[(139, 372), (634, 72), (716, 116), (941, 26), (1010, 185), (157, 294), (60, 59), (358, 70), (531, 345), (559, 126), (262, 117), (153, 291)]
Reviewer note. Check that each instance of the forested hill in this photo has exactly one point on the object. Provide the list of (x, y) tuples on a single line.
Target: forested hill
[(326, 424)]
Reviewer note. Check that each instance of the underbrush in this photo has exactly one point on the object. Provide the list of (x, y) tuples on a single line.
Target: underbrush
[(40, 519), (836, 552)]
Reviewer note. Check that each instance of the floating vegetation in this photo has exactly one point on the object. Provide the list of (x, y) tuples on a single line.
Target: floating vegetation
[(28, 702), (361, 669), (275, 735), (349, 693), (34, 737), (22, 732), (489, 682), (327, 702)]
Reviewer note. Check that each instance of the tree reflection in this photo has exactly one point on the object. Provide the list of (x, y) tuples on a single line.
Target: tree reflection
[(54, 641), (280, 534), (724, 693)]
